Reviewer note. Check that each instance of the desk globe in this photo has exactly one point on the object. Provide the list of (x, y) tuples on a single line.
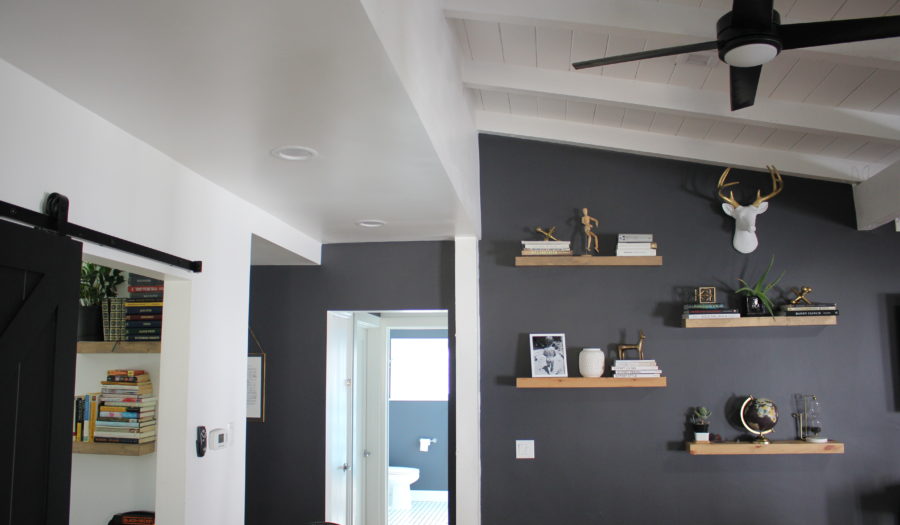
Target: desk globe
[(759, 416)]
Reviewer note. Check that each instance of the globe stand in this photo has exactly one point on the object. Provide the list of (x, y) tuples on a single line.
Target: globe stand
[(761, 438)]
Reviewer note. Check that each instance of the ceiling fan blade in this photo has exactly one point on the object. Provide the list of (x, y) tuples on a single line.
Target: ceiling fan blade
[(743, 86), (810, 34), (666, 51), (752, 13)]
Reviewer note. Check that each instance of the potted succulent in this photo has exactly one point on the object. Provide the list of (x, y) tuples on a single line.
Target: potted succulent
[(97, 283), (756, 298), (700, 423)]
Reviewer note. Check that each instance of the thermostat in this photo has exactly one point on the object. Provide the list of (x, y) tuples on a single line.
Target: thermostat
[(218, 438)]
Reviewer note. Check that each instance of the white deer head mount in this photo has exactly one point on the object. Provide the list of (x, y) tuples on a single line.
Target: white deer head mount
[(745, 216)]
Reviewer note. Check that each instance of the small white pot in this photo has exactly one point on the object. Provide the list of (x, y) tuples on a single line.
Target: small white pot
[(701, 437), (591, 362)]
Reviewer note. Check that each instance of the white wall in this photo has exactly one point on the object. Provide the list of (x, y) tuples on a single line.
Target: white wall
[(422, 48), (120, 185)]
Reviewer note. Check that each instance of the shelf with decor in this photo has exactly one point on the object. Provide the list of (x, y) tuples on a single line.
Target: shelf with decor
[(588, 260), (737, 322), (775, 447), (119, 347), (591, 382), (113, 449)]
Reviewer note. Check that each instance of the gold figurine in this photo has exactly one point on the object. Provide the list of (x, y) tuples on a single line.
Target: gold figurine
[(639, 347), (548, 234), (801, 295), (589, 236)]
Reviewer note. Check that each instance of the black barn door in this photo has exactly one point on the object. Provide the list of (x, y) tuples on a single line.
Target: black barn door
[(39, 274)]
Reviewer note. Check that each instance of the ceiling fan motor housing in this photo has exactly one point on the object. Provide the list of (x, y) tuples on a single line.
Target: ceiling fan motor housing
[(748, 45)]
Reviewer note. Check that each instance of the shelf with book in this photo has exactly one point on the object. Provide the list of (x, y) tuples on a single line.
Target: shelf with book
[(588, 260), (113, 449), (775, 447), (119, 347), (778, 320), (591, 382)]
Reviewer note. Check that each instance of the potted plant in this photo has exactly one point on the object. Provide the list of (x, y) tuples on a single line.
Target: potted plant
[(97, 283), (756, 298), (700, 423)]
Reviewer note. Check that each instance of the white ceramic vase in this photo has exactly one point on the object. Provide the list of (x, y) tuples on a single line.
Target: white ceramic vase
[(591, 362)]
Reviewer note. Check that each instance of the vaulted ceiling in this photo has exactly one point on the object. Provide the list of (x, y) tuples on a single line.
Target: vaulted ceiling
[(380, 88), (830, 112)]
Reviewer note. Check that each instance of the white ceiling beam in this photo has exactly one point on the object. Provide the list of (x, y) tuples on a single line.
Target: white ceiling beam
[(877, 200), (679, 100), (649, 18), (673, 147)]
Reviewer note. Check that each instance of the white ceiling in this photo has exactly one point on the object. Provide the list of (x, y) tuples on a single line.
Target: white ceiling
[(831, 113), (217, 85)]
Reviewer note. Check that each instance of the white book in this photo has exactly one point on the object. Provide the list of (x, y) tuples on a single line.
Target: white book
[(710, 316), (546, 243), (620, 362), (634, 253), (635, 237), (637, 374), (632, 369), (636, 245)]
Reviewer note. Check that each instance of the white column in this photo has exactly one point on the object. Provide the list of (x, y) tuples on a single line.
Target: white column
[(468, 384)]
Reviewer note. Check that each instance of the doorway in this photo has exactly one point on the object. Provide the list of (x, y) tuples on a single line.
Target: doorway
[(387, 418)]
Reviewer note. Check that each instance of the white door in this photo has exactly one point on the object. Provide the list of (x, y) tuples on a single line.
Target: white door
[(338, 418)]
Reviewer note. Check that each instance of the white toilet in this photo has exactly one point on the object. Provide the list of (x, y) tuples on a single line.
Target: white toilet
[(399, 480)]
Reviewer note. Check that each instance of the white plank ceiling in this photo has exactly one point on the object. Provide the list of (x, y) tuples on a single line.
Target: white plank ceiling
[(831, 112)]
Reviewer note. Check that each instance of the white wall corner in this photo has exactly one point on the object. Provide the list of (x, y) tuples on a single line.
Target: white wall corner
[(468, 383), (877, 199), (422, 47)]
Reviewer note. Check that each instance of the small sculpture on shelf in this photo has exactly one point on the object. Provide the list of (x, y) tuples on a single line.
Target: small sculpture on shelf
[(801, 295), (590, 238), (548, 234), (639, 346)]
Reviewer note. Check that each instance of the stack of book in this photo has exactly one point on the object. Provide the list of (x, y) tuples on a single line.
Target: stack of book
[(709, 311), (636, 368), (546, 248), (126, 408), (809, 309), (635, 245), (143, 309)]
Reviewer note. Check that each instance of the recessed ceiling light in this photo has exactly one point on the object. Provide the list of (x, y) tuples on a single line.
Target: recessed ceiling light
[(370, 223), (294, 152)]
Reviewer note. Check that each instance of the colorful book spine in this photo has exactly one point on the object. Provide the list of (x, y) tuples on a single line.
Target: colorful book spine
[(143, 310), (145, 288)]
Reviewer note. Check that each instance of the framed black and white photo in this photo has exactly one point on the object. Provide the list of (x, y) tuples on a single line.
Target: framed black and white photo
[(548, 355), (256, 387)]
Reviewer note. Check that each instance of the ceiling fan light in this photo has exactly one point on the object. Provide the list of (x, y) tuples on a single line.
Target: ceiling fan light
[(750, 55)]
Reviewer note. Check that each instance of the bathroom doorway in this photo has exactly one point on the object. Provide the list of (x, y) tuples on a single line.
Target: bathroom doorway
[(387, 418)]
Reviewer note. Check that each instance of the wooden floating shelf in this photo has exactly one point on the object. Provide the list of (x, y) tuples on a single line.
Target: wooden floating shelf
[(590, 382), (118, 347), (588, 260), (113, 449), (778, 320), (775, 447)]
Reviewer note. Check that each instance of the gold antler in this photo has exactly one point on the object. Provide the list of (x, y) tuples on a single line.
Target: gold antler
[(730, 199), (777, 186)]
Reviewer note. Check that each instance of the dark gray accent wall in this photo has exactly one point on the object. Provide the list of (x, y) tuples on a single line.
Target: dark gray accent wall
[(617, 455), (411, 420), (285, 454)]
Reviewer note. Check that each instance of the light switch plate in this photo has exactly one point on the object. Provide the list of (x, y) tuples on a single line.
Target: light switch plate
[(524, 449)]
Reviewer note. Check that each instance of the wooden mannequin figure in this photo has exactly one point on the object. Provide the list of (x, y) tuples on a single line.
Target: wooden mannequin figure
[(590, 238)]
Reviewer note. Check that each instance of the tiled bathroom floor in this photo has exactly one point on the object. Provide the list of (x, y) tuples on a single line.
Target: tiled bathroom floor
[(422, 513)]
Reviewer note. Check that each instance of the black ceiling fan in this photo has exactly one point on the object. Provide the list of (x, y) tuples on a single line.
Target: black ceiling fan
[(752, 34)]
